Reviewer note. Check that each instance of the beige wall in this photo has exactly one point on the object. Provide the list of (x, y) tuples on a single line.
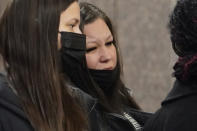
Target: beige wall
[(145, 45), (3, 4)]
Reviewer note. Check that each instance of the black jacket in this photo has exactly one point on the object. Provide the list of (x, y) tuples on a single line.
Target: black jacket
[(178, 111), (12, 117), (116, 122)]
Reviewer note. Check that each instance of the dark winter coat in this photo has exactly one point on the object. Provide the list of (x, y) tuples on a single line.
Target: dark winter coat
[(178, 111), (13, 118)]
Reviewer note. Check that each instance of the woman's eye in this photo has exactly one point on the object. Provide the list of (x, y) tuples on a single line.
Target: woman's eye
[(72, 25), (109, 43), (90, 49)]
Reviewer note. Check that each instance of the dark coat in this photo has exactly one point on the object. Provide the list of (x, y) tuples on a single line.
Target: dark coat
[(178, 111), (116, 122), (102, 121), (13, 118)]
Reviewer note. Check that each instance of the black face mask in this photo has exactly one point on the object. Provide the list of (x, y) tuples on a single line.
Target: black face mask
[(73, 62), (105, 79), (73, 46)]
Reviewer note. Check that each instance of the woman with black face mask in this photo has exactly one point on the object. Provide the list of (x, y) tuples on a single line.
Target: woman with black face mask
[(95, 67)]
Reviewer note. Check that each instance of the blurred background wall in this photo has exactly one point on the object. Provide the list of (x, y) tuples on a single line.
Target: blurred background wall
[(146, 49), (3, 5)]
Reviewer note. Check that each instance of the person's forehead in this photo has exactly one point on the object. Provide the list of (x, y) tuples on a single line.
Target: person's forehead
[(98, 28)]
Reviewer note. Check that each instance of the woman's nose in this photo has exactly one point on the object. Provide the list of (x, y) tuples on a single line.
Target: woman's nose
[(105, 55), (77, 30)]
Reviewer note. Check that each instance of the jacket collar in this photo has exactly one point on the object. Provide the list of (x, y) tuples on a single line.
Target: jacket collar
[(87, 101), (8, 99), (180, 91)]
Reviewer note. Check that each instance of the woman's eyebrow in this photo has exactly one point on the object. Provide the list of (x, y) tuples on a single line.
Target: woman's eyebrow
[(75, 20), (109, 37)]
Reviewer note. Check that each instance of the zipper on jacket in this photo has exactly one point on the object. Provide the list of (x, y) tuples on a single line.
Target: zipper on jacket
[(129, 119), (132, 121)]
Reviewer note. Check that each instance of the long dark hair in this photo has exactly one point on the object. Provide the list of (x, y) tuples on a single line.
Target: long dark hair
[(28, 44), (119, 94), (183, 31)]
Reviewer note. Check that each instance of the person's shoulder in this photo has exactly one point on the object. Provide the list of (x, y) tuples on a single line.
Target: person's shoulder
[(12, 116), (6, 94), (141, 116), (85, 99), (11, 120), (176, 121), (139, 112), (80, 94)]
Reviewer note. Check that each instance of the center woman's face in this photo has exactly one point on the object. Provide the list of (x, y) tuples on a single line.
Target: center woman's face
[(70, 20), (100, 50)]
